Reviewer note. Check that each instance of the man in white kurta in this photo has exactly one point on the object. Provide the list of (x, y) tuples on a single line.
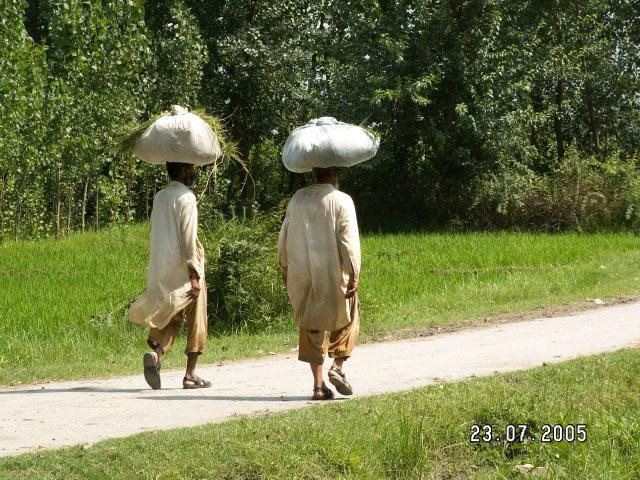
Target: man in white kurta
[(319, 251), (176, 288)]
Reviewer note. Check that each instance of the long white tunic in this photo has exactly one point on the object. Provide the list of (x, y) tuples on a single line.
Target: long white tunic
[(174, 248), (320, 246)]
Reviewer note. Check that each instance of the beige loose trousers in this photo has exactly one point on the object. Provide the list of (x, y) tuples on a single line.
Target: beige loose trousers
[(313, 345), (195, 318)]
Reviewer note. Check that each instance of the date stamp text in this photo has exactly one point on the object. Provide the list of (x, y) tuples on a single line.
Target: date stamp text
[(514, 433)]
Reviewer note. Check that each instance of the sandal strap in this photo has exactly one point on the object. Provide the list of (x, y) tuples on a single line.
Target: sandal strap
[(323, 389), (327, 393), (197, 380)]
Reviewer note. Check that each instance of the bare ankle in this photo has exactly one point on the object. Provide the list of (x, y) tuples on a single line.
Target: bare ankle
[(337, 366)]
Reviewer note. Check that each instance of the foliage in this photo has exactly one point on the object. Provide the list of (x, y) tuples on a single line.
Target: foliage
[(22, 96), (477, 102), (584, 194), (178, 56), (246, 291)]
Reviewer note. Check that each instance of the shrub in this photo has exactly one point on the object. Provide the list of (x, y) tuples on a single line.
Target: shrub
[(245, 288), (583, 193)]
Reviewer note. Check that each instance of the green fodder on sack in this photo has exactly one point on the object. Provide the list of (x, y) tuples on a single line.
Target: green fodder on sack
[(246, 291)]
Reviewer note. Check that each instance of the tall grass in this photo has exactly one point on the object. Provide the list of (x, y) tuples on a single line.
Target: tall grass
[(63, 302)]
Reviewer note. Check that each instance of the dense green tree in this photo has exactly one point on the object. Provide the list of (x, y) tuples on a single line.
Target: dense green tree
[(490, 111), (22, 93), (97, 54)]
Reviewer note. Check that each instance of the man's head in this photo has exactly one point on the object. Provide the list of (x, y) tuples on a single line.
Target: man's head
[(326, 175), (182, 172)]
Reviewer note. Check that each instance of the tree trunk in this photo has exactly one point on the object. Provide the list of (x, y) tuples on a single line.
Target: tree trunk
[(3, 189), (128, 187), (97, 204), (18, 215), (557, 121), (595, 127), (84, 202), (16, 227), (538, 104), (69, 208), (58, 204)]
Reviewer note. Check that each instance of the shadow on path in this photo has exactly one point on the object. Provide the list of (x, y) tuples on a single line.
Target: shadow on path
[(234, 397), (77, 390), (250, 398)]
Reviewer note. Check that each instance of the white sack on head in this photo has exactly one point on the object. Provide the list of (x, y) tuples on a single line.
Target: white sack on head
[(325, 142), (181, 137)]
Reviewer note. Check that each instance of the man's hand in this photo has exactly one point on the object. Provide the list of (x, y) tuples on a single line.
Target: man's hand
[(195, 289), (352, 288)]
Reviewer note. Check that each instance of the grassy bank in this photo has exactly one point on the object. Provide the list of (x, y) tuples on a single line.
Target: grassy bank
[(423, 433), (412, 280), (61, 301)]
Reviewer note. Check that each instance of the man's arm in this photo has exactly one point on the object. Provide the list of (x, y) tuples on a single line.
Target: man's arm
[(352, 288), (195, 284), (349, 239)]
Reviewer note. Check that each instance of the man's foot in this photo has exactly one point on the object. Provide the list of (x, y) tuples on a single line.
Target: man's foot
[(339, 380), (151, 369), (194, 382), (322, 393)]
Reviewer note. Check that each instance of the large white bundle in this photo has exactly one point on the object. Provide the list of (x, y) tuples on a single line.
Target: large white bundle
[(325, 142), (178, 137)]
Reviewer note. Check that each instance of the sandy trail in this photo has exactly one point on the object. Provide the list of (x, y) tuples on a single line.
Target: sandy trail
[(80, 412)]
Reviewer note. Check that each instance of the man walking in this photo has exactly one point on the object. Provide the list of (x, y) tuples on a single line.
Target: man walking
[(176, 290), (319, 252)]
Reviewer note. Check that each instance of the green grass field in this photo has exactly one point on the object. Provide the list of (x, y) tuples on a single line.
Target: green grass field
[(62, 301), (422, 433), (413, 280)]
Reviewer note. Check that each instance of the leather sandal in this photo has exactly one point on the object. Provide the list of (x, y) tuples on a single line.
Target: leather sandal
[(322, 393), (151, 370), (195, 382), (339, 380)]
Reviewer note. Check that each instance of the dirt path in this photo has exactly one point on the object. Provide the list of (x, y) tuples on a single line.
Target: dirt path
[(69, 413)]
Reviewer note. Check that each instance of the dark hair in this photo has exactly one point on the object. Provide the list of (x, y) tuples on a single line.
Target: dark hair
[(174, 169), (324, 173)]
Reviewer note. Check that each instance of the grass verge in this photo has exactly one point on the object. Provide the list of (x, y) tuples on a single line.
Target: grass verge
[(422, 433), (62, 301)]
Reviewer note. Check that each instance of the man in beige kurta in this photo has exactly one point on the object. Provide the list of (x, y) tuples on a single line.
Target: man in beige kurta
[(319, 251), (176, 288)]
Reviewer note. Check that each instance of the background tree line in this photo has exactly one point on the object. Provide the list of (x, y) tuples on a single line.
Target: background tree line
[(493, 113)]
